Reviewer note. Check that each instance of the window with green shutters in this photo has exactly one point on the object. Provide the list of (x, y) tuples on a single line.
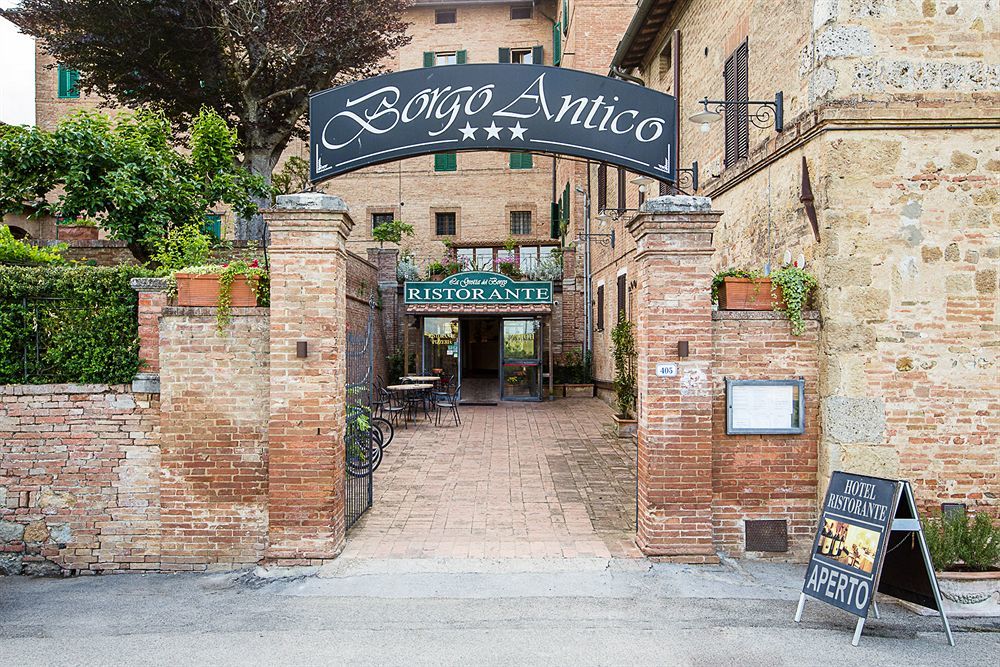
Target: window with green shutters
[(556, 44), (436, 58), (564, 207), (554, 221), (68, 79), (213, 225), (520, 160), (565, 17), (445, 162)]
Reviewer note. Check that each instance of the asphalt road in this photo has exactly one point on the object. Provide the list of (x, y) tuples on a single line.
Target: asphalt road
[(584, 612)]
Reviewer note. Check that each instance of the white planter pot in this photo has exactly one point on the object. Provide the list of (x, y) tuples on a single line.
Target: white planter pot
[(966, 594)]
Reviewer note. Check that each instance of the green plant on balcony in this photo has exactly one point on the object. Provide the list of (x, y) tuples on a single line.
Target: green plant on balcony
[(510, 269)]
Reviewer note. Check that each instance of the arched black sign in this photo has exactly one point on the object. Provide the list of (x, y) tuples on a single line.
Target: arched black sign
[(525, 108)]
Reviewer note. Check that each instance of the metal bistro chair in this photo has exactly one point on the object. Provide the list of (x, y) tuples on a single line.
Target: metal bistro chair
[(379, 398), (447, 402), (393, 406)]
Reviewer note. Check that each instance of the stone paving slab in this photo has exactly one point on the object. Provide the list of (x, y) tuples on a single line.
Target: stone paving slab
[(515, 480)]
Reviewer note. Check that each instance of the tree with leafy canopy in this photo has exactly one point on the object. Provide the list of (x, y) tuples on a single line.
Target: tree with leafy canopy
[(126, 174), (255, 61)]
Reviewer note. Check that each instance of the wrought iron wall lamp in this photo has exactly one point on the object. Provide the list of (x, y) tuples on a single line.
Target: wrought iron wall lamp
[(761, 114)]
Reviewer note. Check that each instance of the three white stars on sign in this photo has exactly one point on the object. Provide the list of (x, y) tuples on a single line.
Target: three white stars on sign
[(493, 131)]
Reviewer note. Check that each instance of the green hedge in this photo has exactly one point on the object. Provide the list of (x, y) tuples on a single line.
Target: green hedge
[(68, 324)]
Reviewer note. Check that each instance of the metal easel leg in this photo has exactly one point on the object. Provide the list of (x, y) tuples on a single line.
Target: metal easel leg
[(857, 632), (875, 607), (802, 605)]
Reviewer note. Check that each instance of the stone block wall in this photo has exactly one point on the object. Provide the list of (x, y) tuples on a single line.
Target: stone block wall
[(79, 479), (764, 476), (214, 408)]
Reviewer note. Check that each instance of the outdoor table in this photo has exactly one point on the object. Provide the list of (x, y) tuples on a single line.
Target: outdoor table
[(421, 378), (408, 388)]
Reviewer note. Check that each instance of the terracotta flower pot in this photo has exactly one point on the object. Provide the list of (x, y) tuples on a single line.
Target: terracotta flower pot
[(624, 427), (76, 232), (579, 390), (203, 290), (747, 294)]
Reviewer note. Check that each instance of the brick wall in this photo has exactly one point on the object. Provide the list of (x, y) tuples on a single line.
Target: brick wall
[(763, 476), (79, 479), (214, 405)]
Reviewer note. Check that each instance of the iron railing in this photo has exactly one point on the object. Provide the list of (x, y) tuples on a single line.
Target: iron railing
[(359, 445)]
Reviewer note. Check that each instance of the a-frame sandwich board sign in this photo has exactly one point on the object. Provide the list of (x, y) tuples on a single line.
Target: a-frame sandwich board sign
[(869, 539)]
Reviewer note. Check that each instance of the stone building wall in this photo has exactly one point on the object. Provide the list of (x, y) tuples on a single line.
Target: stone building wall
[(892, 106), (79, 479), (764, 476)]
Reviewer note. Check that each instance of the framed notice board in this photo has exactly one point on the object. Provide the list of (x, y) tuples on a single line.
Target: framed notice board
[(765, 406)]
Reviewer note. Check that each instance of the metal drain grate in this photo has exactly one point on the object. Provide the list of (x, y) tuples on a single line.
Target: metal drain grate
[(767, 535)]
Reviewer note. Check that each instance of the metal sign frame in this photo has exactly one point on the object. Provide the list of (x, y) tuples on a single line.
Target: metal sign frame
[(907, 525), (491, 107), (799, 383), (479, 287)]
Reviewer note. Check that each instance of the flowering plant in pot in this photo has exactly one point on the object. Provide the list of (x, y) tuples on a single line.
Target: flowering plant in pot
[(239, 283), (965, 551)]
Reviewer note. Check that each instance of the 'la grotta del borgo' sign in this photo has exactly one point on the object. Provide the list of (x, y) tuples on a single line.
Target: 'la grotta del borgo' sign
[(524, 108), (478, 287)]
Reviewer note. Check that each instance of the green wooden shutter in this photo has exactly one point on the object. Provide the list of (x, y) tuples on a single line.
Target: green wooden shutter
[(460, 57), (213, 225), (520, 161), (428, 59), (445, 162), (68, 79), (565, 17), (556, 44), (504, 56), (554, 221), (537, 56)]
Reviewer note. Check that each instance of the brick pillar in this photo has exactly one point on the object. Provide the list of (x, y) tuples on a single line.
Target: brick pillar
[(673, 266), (152, 299), (306, 422)]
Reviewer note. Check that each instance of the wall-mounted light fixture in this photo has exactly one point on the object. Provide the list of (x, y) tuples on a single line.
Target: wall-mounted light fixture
[(763, 116)]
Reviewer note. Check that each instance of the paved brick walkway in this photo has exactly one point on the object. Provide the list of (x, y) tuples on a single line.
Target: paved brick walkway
[(515, 480)]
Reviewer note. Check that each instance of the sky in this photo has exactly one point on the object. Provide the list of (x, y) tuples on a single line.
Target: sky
[(17, 73)]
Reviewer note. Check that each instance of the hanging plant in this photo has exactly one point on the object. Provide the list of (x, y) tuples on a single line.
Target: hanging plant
[(796, 285)]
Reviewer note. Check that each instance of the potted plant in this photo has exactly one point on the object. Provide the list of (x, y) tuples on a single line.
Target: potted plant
[(407, 269), (626, 384), (576, 375), (436, 271), (238, 284), (510, 269), (80, 229), (965, 551), (786, 290)]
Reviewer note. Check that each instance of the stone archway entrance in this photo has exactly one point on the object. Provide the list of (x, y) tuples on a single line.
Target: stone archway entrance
[(306, 455)]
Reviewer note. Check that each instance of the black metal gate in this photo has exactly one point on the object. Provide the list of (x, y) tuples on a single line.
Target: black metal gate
[(359, 446)]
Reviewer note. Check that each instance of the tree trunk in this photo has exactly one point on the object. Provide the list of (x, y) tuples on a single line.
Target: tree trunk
[(139, 251), (258, 160)]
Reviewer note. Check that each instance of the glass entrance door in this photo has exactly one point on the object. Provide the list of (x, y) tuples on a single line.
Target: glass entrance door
[(521, 360)]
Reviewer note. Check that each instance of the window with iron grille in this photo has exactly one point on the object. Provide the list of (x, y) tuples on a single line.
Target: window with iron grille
[(520, 222), (444, 224), (381, 219), (737, 116), (602, 187), (600, 308), (519, 12), (445, 16), (622, 298)]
